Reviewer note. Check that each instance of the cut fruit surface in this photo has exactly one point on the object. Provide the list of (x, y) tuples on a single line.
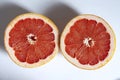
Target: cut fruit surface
[(88, 42), (31, 40)]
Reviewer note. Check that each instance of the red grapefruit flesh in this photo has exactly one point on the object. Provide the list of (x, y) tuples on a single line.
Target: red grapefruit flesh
[(31, 40), (88, 42)]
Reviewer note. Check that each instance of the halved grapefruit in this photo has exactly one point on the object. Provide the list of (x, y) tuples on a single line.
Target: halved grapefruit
[(31, 40), (88, 42)]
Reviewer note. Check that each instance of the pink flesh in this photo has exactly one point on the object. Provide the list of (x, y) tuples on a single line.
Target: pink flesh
[(32, 53), (75, 47)]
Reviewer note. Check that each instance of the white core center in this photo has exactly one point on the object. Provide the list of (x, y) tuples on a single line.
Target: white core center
[(31, 38), (88, 42)]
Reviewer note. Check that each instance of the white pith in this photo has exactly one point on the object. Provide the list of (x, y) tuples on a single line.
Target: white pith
[(74, 61), (10, 49), (29, 38), (86, 42)]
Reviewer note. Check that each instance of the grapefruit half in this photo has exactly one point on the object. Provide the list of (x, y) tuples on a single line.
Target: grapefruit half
[(88, 42), (31, 40)]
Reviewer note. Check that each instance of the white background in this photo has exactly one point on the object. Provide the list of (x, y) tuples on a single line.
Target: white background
[(60, 11)]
